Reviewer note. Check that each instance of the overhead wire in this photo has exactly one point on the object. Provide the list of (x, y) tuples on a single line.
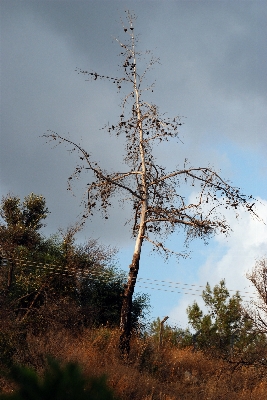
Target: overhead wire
[(99, 273), (181, 291)]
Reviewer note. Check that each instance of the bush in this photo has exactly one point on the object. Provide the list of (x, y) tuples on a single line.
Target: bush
[(58, 383), (55, 281)]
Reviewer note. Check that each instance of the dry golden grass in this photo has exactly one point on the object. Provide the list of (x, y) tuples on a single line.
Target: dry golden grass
[(148, 374)]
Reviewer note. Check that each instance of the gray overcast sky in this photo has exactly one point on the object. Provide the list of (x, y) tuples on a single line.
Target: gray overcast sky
[(213, 58)]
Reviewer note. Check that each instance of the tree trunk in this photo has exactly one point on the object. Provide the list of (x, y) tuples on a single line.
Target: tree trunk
[(126, 310)]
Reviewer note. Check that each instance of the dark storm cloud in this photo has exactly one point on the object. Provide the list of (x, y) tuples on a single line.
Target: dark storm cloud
[(213, 70), (214, 62), (41, 91)]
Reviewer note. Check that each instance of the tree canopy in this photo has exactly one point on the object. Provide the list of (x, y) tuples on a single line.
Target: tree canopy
[(225, 328)]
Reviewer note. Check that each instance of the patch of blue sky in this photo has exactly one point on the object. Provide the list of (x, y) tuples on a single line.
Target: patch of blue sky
[(248, 168)]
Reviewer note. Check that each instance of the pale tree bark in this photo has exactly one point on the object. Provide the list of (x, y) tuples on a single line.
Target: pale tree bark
[(126, 310), (159, 208)]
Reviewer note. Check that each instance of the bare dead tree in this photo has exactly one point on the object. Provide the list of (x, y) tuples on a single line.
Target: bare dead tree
[(158, 206), (258, 310)]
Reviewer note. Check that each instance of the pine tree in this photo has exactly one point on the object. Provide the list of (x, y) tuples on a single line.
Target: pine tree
[(225, 326)]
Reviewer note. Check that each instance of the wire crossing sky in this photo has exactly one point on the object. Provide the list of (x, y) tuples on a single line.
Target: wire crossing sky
[(212, 72)]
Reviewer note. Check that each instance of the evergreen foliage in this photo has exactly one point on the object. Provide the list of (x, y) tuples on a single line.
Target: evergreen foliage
[(225, 329), (58, 383), (21, 221)]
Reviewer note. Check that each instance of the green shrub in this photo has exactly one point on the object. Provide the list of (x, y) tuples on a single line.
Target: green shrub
[(58, 383)]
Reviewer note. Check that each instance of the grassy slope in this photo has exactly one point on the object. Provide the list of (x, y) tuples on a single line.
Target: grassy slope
[(167, 374)]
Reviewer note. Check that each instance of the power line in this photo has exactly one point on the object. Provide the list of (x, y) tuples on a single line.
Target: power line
[(100, 274), (187, 284), (181, 290)]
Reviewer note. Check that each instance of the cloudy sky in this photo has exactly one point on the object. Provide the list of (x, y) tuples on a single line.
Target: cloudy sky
[(213, 57)]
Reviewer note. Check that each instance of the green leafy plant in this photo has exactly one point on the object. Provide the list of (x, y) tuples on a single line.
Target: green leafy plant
[(58, 383), (225, 328)]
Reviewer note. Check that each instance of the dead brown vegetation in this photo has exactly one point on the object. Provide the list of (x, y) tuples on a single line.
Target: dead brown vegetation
[(166, 374)]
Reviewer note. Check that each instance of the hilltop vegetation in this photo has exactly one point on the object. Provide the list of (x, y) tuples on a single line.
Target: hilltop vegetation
[(62, 300)]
